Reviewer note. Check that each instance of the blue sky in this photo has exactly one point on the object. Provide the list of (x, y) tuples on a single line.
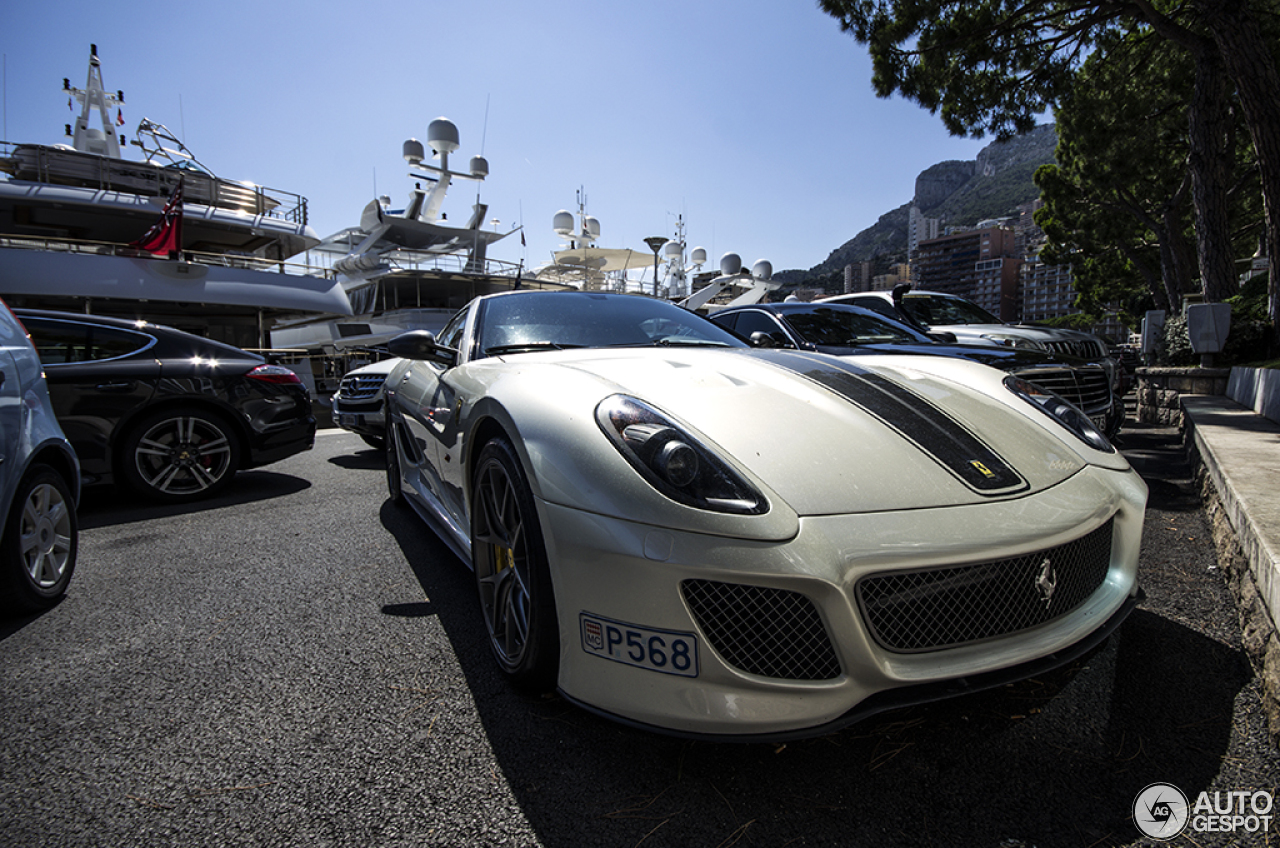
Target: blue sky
[(756, 122)]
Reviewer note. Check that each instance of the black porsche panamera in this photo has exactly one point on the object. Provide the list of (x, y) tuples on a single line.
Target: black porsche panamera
[(171, 415)]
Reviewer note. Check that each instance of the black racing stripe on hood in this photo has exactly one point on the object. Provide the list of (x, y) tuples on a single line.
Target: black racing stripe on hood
[(931, 429)]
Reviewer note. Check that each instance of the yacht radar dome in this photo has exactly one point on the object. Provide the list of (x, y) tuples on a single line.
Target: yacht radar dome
[(414, 152), (479, 167), (730, 264), (591, 226), (762, 270), (562, 223), (673, 249), (442, 135), (698, 256)]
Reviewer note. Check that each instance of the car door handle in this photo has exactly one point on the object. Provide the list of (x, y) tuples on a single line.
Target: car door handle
[(1, 378), (120, 386)]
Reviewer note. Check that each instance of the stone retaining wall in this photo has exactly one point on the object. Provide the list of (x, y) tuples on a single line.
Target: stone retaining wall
[(1159, 389), (1259, 636)]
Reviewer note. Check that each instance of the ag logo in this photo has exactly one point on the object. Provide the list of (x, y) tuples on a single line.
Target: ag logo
[(1160, 811)]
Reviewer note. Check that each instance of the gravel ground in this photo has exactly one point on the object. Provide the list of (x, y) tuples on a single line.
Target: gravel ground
[(298, 663)]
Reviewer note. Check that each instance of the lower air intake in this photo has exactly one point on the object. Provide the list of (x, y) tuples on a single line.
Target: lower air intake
[(770, 632)]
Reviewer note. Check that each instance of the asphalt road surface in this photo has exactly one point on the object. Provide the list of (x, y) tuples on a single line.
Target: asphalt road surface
[(298, 663)]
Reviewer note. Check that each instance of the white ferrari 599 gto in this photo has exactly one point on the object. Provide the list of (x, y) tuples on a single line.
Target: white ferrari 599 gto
[(687, 534)]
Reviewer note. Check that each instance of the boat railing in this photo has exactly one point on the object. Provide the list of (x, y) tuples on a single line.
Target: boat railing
[(196, 257), (453, 263), (63, 166)]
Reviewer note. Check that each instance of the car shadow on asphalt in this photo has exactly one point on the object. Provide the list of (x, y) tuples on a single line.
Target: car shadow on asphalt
[(1053, 761), (369, 459), (104, 506)]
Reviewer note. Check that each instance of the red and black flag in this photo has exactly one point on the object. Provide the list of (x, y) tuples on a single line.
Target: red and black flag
[(165, 235)]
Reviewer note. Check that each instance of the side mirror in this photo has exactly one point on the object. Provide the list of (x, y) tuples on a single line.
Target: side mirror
[(762, 339), (421, 346)]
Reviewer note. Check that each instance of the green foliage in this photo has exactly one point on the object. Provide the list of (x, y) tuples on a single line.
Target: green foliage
[(1249, 340), (1120, 193), (1251, 303), (985, 65), (1175, 344), (1077, 321)]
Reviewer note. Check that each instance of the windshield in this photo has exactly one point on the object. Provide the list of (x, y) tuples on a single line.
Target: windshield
[(526, 321), (839, 327), (940, 311)]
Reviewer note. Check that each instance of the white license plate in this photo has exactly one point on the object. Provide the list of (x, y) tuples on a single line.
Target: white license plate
[(665, 651)]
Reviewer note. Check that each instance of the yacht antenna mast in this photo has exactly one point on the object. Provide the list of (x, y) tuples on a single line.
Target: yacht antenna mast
[(94, 96)]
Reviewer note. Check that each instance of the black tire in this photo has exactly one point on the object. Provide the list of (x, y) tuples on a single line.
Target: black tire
[(180, 454), (395, 487), (512, 575), (375, 442), (41, 540)]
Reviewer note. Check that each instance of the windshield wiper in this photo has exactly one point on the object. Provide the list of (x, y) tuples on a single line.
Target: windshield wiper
[(676, 342), (526, 347)]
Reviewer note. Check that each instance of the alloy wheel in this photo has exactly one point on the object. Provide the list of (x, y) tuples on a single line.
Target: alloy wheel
[(183, 455), (501, 559), (46, 536)]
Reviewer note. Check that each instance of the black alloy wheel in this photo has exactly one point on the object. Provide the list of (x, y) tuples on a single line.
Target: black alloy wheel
[(512, 574), (180, 455)]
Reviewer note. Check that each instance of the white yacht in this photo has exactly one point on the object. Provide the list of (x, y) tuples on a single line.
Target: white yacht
[(410, 268), (73, 218)]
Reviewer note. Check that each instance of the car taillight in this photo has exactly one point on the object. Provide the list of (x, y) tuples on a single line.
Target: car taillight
[(273, 374)]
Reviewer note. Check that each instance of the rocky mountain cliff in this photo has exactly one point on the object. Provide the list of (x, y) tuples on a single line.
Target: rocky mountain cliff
[(960, 193)]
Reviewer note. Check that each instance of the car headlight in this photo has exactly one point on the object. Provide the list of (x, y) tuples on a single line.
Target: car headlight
[(672, 461), (1061, 411), (1012, 341)]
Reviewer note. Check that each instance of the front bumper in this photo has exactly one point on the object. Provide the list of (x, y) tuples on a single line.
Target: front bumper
[(628, 572)]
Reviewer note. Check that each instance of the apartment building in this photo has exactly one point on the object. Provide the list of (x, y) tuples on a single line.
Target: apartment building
[(981, 265)]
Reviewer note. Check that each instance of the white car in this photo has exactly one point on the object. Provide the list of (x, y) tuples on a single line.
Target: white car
[(39, 481), (687, 534), (359, 401)]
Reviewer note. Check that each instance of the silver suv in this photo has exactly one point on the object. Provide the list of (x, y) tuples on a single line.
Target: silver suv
[(357, 405), (39, 481)]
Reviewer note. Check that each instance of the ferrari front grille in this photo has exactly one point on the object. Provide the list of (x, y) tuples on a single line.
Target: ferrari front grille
[(936, 608), (1087, 388), (770, 632)]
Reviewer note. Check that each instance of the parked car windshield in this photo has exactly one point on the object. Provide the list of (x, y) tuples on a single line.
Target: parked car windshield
[(940, 311), (824, 325), (553, 320)]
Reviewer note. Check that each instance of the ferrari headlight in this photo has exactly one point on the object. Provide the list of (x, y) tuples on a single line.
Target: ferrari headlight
[(1005, 340), (1061, 411), (672, 461)]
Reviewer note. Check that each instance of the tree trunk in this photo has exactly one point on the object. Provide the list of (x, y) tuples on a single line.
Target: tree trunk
[(1210, 116), (1250, 61), (1176, 257)]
